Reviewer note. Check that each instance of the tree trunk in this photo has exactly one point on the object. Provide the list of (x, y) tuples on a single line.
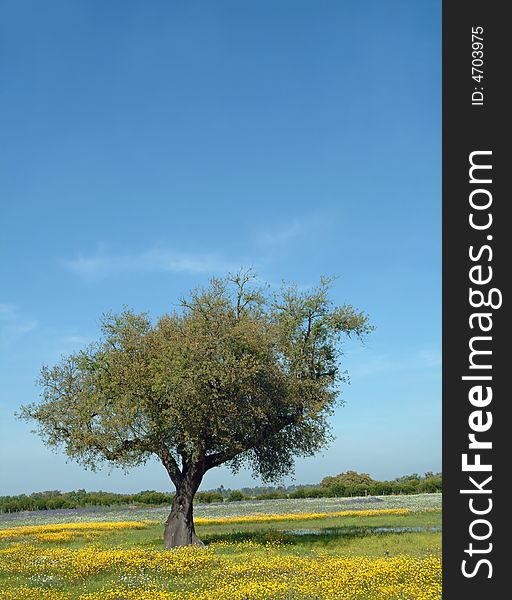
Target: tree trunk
[(179, 527)]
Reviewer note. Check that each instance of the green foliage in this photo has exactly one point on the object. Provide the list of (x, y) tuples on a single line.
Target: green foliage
[(352, 483), (311, 492), (236, 376), (347, 479), (208, 497), (55, 499), (428, 483), (236, 496), (151, 497)]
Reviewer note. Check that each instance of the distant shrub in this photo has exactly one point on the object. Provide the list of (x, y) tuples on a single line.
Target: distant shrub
[(298, 493), (317, 492), (236, 496), (349, 478), (208, 497), (342, 485), (152, 497), (272, 496)]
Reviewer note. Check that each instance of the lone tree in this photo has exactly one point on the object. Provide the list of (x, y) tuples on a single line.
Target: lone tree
[(236, 376)]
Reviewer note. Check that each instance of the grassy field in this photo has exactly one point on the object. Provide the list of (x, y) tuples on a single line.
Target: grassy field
[(352, 549)]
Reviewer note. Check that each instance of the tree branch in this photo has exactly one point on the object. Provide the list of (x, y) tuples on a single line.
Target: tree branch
[(219, 458), (170, 465)]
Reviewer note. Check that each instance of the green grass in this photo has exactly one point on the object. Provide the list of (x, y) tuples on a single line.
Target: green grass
[(355, 534), (337, 534), (341, 536)]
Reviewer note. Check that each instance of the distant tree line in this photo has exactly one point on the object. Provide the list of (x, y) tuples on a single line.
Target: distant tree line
[(352, 483), (345, 484), (55, 499)]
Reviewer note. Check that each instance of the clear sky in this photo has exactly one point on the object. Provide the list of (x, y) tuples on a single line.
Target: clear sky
[(147, 146)]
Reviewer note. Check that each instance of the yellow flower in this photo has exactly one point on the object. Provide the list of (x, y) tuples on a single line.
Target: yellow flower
[(268, 518)]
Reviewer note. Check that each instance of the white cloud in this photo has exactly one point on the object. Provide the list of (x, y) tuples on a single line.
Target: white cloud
[(104, 263), (281, 235), (293, 229), (13, 324), (6, 311), (386, 363), (75, 340), (67, 344)]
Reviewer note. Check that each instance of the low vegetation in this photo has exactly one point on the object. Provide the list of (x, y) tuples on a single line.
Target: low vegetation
[(362, 554), (343, 485)]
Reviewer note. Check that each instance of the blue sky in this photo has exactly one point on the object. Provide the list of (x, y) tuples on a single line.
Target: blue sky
[(149, 146)]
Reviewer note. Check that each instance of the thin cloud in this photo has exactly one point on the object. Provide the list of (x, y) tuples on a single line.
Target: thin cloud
[(6, 311), (75, 340), (423, 359), (103, 263), (282, 235), (292, 230), (70, 343), (13, 324)]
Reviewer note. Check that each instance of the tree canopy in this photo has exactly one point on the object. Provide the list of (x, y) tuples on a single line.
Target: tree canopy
[(236, 375), (349, 478)]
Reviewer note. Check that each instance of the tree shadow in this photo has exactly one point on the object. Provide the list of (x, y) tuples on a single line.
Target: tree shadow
[(298, 536)]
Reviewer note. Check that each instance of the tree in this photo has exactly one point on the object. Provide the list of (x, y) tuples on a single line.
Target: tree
[(349, 478), (237, 376)]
